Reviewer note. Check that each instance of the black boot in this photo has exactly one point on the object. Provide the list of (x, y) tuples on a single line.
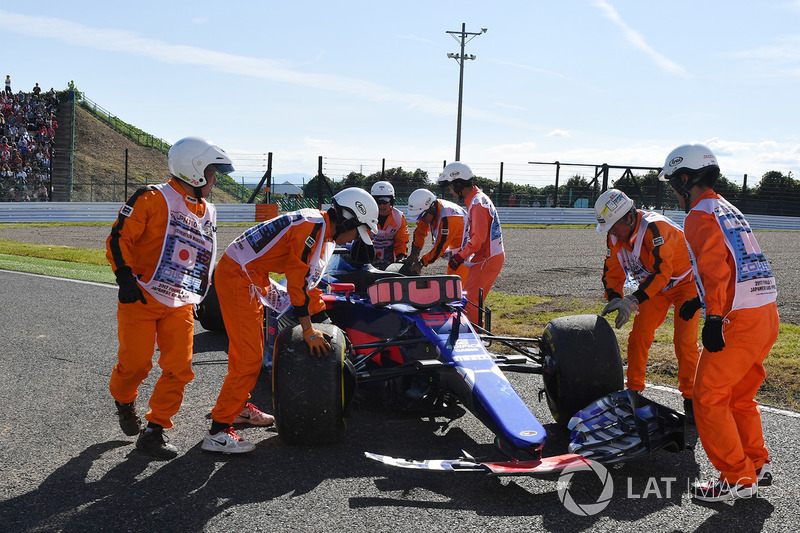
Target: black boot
[(129, 420), (153, 441)]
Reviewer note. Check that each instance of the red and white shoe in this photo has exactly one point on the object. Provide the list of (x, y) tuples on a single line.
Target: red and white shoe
[(254, 416), (226, 441)]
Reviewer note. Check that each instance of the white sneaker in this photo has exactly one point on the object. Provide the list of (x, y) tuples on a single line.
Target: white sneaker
[(720, 491), (254, 416), (226, 441)]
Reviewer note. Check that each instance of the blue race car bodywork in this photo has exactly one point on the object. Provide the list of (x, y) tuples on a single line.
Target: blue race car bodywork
[(428, 354)]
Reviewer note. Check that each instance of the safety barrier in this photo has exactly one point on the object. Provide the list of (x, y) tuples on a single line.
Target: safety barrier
[(100, 212), (107, 212)]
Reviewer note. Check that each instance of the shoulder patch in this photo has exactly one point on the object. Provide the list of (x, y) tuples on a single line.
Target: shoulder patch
[(310, 241), (658, 241), (126, 210), (445, 231)]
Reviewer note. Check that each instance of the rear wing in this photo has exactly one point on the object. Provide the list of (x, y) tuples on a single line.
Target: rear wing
[(418, 291)]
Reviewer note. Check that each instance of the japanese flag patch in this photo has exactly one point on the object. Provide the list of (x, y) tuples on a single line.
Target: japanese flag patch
[(184, 255)]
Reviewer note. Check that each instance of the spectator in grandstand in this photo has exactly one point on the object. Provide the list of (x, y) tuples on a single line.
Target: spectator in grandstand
[(482, 245), (36, 90), (444, 220), (162, 249), (391, 237), (299, 245), (737, 289), (20, 176), (651, 250), (8, 84)]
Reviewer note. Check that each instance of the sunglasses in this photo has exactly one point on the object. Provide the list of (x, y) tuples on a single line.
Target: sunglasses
[(382, 201)]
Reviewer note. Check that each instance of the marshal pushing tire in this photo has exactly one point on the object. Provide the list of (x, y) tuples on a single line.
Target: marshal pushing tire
[(582, 363), (311, 394)]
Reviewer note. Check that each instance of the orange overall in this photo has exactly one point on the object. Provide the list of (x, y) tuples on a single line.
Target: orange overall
[(657, 257), (727, 415), (449, 232), (136, 241), (482, 248), (287, 253)]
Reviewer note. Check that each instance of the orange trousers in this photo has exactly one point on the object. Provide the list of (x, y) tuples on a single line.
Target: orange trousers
[(651, 315), (244, 322), (481, 276), (727, 415), (139, 328)]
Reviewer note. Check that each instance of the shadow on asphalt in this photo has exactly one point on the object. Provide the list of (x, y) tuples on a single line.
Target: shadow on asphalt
[(198, 488)]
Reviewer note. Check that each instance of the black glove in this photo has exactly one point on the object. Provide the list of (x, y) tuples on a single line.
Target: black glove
[(689, 308), (713, 340), (129, 290)]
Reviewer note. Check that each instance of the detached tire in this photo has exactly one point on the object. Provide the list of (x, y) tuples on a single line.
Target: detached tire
[(582, 363), (208, 312), (310, 394)]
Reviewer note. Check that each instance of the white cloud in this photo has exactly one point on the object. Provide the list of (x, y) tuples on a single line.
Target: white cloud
[(558, 133), (127, 42), (638, 41), (131, 43)]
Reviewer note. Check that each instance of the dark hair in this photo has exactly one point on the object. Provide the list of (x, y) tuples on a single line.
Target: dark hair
[(705, 176)]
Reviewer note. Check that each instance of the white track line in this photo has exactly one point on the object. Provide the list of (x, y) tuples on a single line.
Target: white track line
[(784, 412), (105, 285)]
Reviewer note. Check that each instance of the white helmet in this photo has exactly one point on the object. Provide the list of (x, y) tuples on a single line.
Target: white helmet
[(611, 206), (687, 157), (188, 159), (455, 171), (383, 188), (419, 202), (355, 208)]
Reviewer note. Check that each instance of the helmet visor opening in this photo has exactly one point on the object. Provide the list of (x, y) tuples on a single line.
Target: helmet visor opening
[(222, 168)]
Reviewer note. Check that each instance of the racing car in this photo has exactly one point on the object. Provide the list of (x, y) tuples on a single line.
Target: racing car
[(408, 339)]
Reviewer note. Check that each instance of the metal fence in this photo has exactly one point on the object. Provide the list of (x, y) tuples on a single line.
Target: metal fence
[(107, 212)]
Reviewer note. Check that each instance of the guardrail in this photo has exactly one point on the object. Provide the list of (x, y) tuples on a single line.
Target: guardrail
[(107, 212)]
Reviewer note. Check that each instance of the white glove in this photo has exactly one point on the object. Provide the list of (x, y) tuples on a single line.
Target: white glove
[(625, 307)]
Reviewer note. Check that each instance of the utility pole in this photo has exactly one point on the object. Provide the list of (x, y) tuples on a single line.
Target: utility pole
[(463, 37)]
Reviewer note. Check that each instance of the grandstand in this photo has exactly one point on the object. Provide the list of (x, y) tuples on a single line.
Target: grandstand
[(28, 126)]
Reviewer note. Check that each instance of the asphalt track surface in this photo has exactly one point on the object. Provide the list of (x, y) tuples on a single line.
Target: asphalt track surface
[(67, 466)]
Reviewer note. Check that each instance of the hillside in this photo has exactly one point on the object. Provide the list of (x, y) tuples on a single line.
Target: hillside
[(99, 167)]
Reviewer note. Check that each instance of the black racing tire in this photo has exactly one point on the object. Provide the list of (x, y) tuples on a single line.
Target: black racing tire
[(310, 394), (209, 313), (582, 363)]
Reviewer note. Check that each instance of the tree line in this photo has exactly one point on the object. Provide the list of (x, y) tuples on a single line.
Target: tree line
[(776, 193)]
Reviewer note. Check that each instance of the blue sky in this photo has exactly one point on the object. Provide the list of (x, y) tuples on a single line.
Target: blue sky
[(584, 81)]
